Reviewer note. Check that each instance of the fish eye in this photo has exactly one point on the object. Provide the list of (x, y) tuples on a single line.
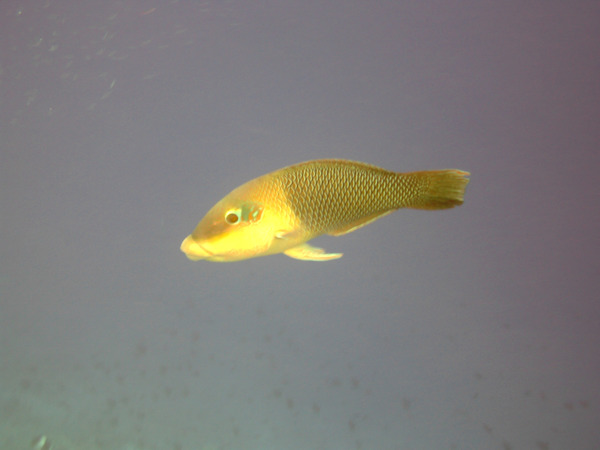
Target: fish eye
[(232, 217)]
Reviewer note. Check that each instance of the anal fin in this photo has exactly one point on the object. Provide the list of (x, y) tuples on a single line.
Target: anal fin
[(349, 228), (307, 252)]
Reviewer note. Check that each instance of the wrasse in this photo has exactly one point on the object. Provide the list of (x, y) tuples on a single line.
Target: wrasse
[(281, 211)]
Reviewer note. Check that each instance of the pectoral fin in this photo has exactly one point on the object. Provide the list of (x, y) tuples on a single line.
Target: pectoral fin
[(307, 252), (287, 234)]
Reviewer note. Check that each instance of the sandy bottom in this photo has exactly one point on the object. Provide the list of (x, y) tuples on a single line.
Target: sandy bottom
[(25, 419)]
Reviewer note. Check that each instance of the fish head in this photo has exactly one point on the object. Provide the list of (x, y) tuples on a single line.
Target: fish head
[(234, 229)]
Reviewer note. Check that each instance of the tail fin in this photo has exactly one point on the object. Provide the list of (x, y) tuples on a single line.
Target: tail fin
[(443, 188)]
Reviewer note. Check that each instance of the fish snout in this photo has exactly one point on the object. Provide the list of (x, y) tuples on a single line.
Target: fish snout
[(193, 250)]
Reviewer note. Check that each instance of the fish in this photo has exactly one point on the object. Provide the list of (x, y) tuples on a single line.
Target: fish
[(281, 211)]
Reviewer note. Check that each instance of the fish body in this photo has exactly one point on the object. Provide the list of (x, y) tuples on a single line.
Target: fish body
[(281, 211)]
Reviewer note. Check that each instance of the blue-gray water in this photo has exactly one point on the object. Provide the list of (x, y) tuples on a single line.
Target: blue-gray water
[(122, 123)]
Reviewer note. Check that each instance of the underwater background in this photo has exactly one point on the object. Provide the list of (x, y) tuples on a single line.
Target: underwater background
[(123, 122)]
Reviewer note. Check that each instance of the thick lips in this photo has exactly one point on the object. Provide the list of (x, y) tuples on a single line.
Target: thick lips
[(193, 250)]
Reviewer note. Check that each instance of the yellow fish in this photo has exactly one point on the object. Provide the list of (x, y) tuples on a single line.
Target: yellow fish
[(280, 211)]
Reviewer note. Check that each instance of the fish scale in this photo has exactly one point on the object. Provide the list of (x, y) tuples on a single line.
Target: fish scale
[(334, 194)]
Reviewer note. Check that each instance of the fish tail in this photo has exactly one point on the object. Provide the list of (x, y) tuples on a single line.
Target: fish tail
[(439, 189)]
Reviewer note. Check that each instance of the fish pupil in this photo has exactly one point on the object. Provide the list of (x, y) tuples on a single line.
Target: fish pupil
[(232, 218)]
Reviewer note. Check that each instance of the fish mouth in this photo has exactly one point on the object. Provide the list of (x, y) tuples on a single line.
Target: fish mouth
[(193, 250)]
